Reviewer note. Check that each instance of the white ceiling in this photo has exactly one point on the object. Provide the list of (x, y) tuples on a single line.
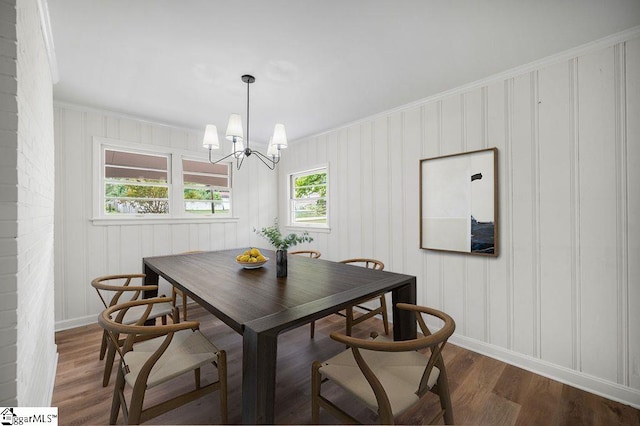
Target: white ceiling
[(318, 63)]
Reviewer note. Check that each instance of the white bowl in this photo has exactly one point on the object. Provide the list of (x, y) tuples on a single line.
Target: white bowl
[(252, 265)]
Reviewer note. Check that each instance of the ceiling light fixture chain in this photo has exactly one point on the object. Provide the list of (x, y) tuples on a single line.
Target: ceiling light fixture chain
[(234, 133)]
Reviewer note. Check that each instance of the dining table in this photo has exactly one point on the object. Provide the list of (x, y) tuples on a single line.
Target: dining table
[(260, 306)]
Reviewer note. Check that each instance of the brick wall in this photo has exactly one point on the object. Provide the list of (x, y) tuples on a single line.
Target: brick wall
[(27, 348), (8, 204)]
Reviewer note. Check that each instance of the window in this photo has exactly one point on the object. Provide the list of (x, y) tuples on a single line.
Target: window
[(135, 183), (207, 187), (308, 197)]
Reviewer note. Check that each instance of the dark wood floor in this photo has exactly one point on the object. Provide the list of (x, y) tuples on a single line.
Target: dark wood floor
[(484, 391)]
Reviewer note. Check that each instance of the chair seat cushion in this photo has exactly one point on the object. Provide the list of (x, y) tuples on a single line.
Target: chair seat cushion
[(398, 372), (187, 351), (134, 313)]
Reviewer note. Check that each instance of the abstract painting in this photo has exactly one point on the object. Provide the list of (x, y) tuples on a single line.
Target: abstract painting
[(459, 203)]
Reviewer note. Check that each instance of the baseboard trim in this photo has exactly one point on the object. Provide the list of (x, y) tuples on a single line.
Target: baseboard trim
[(586, 382), (76, 322)]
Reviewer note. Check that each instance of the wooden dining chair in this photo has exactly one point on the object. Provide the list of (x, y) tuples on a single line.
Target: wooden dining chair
[(382, 309), (112, 288), (313, 254), (388, 377), (152, 355), (349, 315)]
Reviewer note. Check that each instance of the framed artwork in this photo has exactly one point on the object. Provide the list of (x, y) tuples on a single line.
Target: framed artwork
[(459, 203)]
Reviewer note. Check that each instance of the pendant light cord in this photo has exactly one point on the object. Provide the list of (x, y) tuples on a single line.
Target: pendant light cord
[(248, 121)]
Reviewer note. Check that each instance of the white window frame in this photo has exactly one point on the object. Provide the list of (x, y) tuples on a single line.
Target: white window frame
[(212, 188), (175, 184), (291, 201)]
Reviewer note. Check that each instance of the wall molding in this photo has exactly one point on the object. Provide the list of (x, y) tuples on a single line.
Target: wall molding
[(586, 382), (121, 115)]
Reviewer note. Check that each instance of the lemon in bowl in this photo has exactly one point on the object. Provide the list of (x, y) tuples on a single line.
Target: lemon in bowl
[(251, 259)]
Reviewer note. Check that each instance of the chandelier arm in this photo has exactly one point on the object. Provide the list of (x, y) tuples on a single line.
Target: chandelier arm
[(239, 161), (226, 156), (222, 159), (269, 157), (261, 157)]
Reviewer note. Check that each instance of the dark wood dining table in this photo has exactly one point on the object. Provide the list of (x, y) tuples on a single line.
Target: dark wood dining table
[(260, 306)]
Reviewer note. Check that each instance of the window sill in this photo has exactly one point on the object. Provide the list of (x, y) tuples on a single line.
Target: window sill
[(318, 229), (142, 220)]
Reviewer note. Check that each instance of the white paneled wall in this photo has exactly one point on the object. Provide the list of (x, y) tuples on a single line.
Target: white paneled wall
[(85, 250), (563, 296)]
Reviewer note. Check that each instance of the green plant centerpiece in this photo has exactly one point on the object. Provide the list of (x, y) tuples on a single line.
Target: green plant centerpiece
[(281, 244)]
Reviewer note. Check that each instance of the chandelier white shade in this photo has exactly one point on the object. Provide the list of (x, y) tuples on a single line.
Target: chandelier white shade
[(211, 137), (234, 128), (279, 136), (235, 134)]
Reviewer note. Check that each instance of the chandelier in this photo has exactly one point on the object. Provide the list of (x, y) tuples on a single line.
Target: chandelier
[(234, 133)]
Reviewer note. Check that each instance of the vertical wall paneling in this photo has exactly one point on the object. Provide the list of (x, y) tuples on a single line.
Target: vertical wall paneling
[(554, 216), (535, 155), (395, 200), (598, 238), (343, 197), (476, 275), (354, 182), (333, 247), (381, 206), (575, 216), (498, 300), (563, 295), (60, 296), (453, 266), (621, 216), (524, 297), (72, 130), (410, 166), (84, 250), (487, 272), (431, 147), (632, 98), (508, 200)]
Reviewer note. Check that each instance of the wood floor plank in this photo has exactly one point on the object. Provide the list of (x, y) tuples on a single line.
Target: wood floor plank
[(543, 400), (474, 392), (503, 411), (513, 384), (483, 390)]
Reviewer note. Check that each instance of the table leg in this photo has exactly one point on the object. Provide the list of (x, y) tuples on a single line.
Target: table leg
[(259, 354), (151, 278), (404, 322)]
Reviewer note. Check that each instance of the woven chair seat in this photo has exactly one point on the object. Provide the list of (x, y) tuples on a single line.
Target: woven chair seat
[(398, 372), (158, 310), (188, 350)]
